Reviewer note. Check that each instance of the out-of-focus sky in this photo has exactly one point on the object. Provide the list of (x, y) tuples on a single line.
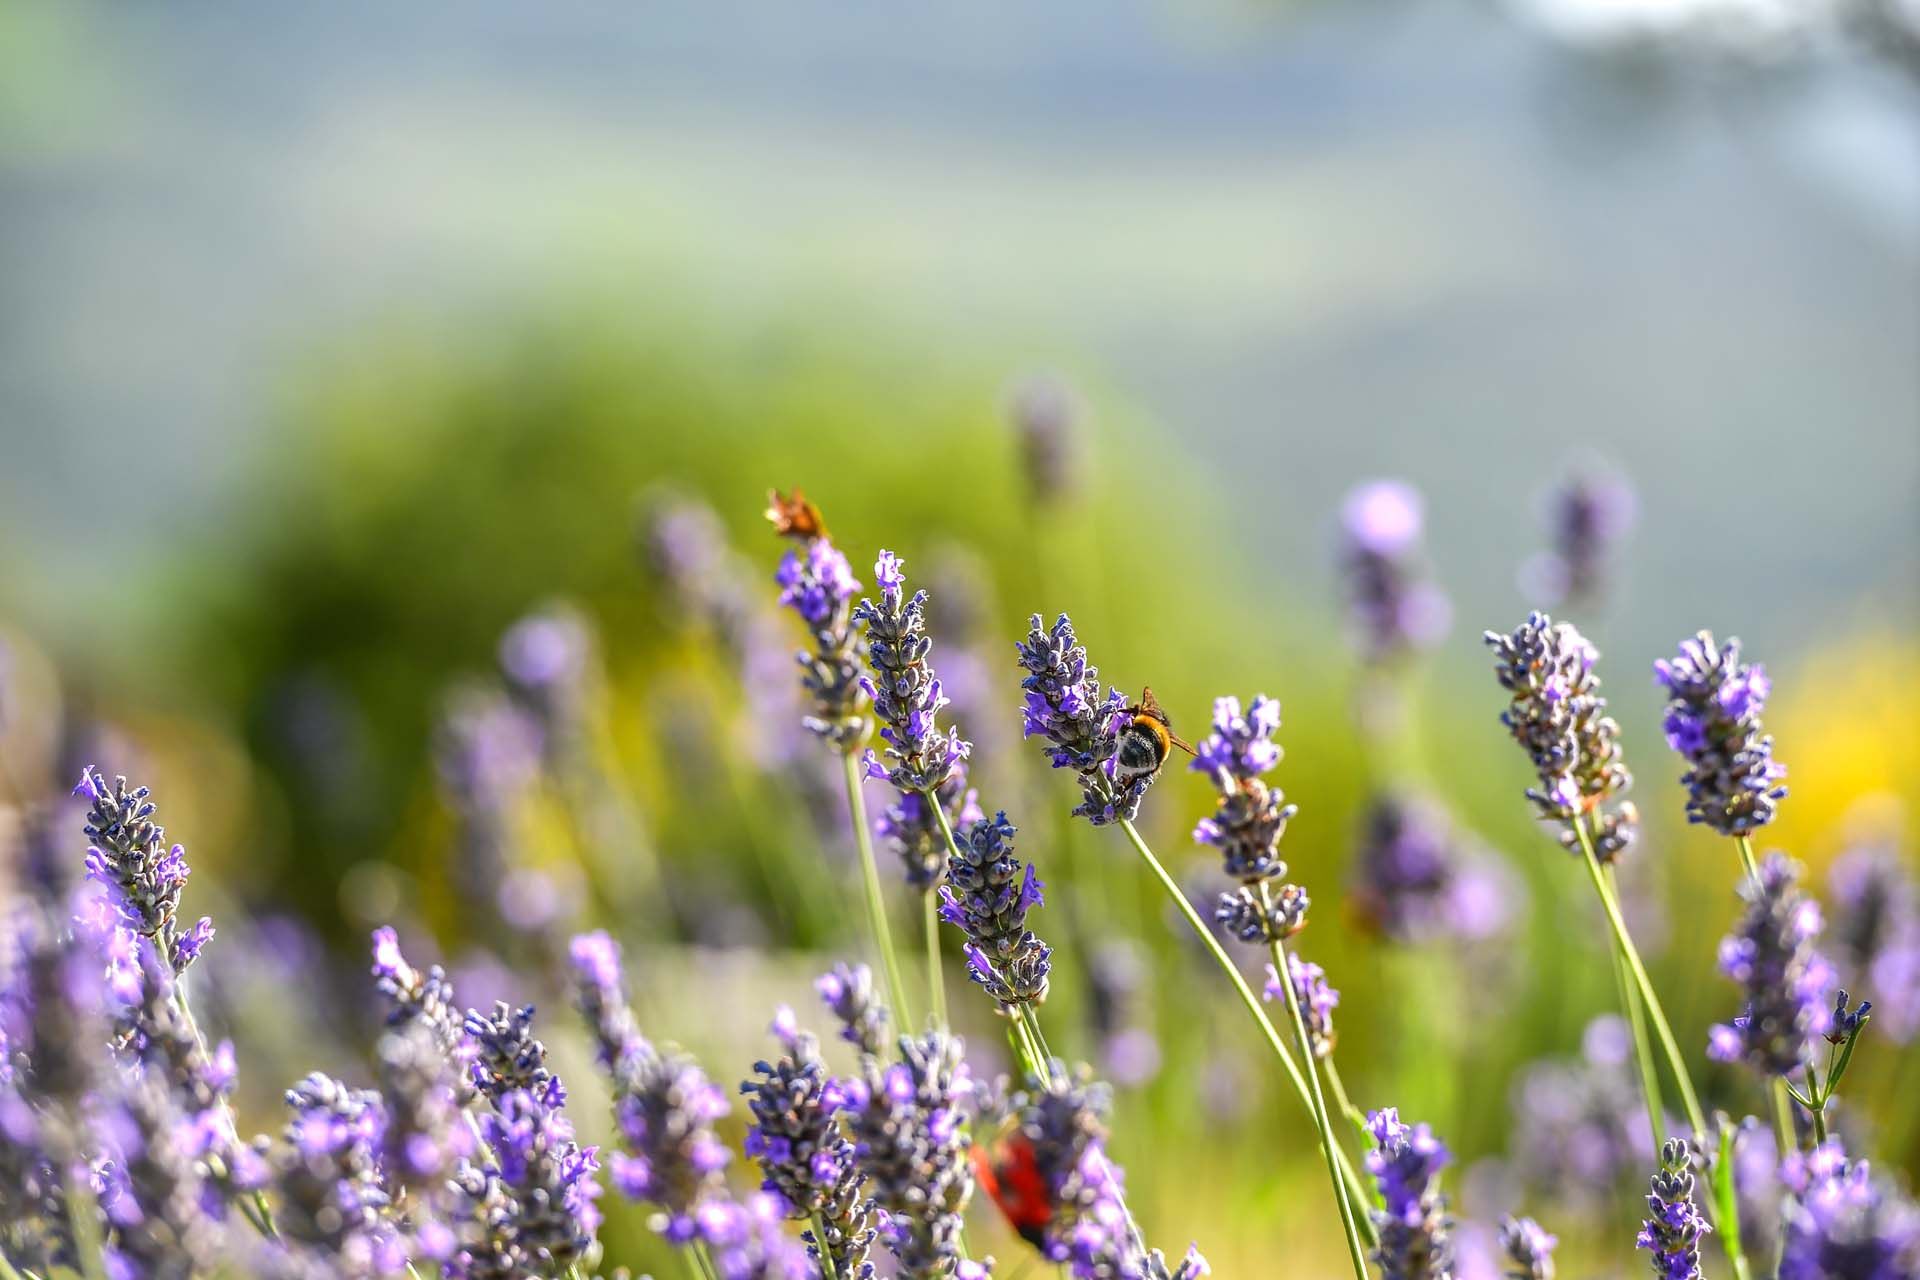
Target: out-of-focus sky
[(1318, 244)]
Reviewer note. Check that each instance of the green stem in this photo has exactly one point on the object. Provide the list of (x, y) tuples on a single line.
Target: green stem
[(828, 1269), (261, 1216), (1356, 1195), (1676, 1063), (1304, 1039), (1636, 1019), (870, 881), (1340, 1098), (936, 977), (84, 1214), (1818, 1114)]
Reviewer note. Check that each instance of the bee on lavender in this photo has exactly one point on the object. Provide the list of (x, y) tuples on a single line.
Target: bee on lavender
[(1143, 735)]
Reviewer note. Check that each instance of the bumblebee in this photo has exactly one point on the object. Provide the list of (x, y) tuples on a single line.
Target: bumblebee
[(795, 517), (1144, 740)]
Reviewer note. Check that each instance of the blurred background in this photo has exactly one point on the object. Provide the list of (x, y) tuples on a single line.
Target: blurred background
[(337, 341)]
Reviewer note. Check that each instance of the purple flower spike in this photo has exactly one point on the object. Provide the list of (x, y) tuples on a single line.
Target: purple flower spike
[(991, 893), (1672, 1233), (905, 692), (1061, 702), (1415, 1231), (1785, 980), (1841, 1223), (817, 583), (1395, 609), (1317, 999), (1713, 720), (1529, 1248)]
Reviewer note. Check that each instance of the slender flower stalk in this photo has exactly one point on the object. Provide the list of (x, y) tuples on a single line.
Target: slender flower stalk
[(1558, 717), (817, 583), (1246, 829), (925, 764)]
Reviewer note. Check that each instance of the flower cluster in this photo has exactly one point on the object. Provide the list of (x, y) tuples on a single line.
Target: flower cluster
[(912, 1143), (1558, 717), (152, 1191), (1250, 819), (1714, 702), (328, 1178), (1586, 515), (548, 1177), (142, 878), (1529, 1249), (746, 1242), (1317, 999), (1063, 704), (599, 993), (1672, 1232), (817, 583), (805, 1154), (847, 991), (424, 1138), (1785, 980), (420, 998), (1415, 1231), (1413, 882), (1394, 608), (487, 753), (1876, 932), (1579, 1126), (905, 692), (1840, 1222), (911, 828), (549, 661), (987, 898)]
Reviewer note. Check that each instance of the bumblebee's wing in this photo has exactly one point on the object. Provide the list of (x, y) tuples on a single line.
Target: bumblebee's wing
[(1181, 743), (1151, 704)]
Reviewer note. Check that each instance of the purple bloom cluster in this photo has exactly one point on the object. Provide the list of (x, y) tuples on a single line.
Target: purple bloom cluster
[(1394, 608), (1842, 1224), (547, 1176), (847, 991), (1529, 1249), (1247, 825), (1558, 717), (663, 1104), (424, 1139), (803, 1150), (818, 585), (1063, 704), (1317, 999), (1714, 702), (1412, 880), (423, 999), (1579, 1127), (911, 828), (1587, 515), (1129, 1050), (1876, 933), (987, 898), (142, 878), (1785, 980), (487, 753), (327, 1176), (746, 1241), (911, 1141), (1673, 1230), (151, 1190), (550, 663), (1415, 1231), (905, 692)]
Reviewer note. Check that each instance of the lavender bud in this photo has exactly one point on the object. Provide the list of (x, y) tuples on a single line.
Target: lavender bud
[(1046, 414), (1713, 720), (506, 1057), (142, 880), (424, 999), (1241, 913), (847, 991), (1586, 516), (328, 1173), (548, 1177), (1062, 703), (1529, 1249), (912, 829), (154, 1193), (1415, 1231), (988, 898), (1559, 718), (1785, 981), (1841, 1224), (1317, 1000), (600, 997), (906, 1119), (806, 1156), (1672, 1234), (905, 692), (818, 585), (1394, 608)]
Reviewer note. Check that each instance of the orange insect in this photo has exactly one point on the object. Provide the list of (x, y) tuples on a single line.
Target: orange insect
[(795, 517), (1010, 1173)]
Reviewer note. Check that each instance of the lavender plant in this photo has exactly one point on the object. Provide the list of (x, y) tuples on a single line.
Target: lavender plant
[(1876, 932), (1713, 721), (988, 898), (1671, 1234), (1529, 1249), (1587, 515), (1415, 1231), (1841, 1222), (1394, 610)]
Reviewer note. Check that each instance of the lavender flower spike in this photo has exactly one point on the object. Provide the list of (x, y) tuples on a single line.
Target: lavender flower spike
[(807, 1158), (988, 899), (1785, 980), (818, 585), (1841, 1224), (328, 1175), (1529, 1249), (1251, 818), (1587, 515), (1558, 717), (1713, 720), (143, 878), (1317, 998), (1063, 704), (905, 692), (1394, 608), (847, 991), (911, 1140), (1672, 1234), (1415, 1231)]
